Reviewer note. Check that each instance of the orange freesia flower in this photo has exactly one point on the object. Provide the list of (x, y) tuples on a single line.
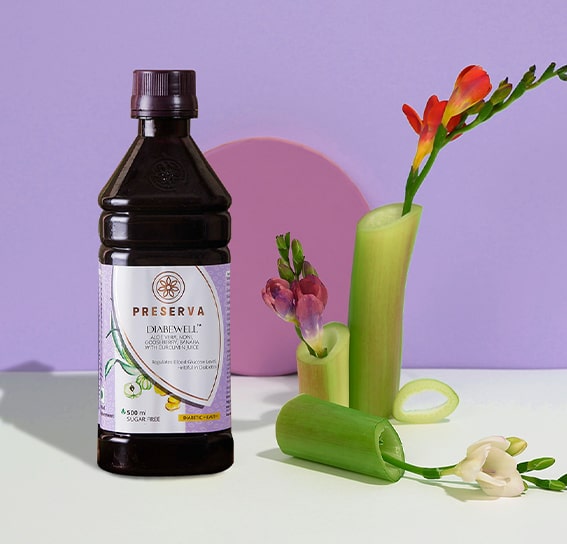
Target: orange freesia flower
[(426, 127), (448, 118), (471, 86)]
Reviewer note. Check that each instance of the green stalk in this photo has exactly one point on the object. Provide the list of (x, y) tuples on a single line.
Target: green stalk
[(415, 178), (383, 247), (327, 433), (430, 473), (326, 378)]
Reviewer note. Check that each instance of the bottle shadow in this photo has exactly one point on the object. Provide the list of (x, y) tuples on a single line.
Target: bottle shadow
[(58, 409), (269, 417)]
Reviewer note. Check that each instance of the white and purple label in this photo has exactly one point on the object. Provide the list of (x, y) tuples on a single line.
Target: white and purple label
[(164, 358)]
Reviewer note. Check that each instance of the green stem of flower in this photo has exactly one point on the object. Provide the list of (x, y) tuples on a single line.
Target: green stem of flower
[(430, 473), (315, 353), (415, 178)]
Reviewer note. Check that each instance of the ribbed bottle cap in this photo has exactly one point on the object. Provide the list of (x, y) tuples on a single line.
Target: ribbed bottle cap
[(164, 93)]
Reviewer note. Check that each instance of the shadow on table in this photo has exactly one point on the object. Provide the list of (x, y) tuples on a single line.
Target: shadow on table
[(269, 417), (461, 491), (266, 419), (277, 455), (59, 409)]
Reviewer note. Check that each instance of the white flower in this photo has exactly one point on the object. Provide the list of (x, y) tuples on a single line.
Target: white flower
[(488, 463)]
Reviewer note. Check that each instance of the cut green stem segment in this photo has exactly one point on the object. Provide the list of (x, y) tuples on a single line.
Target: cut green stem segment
[(383, 247), (326, 378), (427, 415), (327, 433)]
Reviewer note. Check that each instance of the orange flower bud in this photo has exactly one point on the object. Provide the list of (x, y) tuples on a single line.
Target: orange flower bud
[(472, 86)]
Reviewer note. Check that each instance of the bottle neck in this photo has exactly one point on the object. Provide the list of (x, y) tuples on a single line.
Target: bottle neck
[(163, 126)]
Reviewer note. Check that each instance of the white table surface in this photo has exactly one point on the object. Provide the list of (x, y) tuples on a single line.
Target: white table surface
[(52, 491)]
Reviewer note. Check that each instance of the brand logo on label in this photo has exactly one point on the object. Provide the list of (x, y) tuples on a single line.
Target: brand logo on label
[(168, 287)]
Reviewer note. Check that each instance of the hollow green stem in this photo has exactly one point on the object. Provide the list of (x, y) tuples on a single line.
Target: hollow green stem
[(326, 378), (324, 432), (383, 246)]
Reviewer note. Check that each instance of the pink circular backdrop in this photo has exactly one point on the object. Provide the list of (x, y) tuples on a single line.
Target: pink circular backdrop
[(279, 186)]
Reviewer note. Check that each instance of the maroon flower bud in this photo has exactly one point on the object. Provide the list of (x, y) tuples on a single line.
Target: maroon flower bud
[(311, 285), (278, 295), (310, 301)]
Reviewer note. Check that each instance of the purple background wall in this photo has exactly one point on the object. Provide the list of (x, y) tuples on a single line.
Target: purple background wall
[(486, 287)]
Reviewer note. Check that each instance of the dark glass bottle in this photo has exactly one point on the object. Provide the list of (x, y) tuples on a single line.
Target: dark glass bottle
[(166, 212)]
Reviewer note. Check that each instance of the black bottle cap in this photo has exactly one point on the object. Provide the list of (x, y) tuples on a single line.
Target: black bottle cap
[(164, 93)]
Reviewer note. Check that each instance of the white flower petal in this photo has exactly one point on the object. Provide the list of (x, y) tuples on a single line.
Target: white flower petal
[(499, 462), (487, 481), (469, 468), (495, 441), (515, 486), (495, 487)]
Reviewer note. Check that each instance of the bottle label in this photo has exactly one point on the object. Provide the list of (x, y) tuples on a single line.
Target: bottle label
[(164, 357)]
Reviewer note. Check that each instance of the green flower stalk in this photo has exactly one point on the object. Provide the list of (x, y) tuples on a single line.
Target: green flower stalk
[(444, 121)]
